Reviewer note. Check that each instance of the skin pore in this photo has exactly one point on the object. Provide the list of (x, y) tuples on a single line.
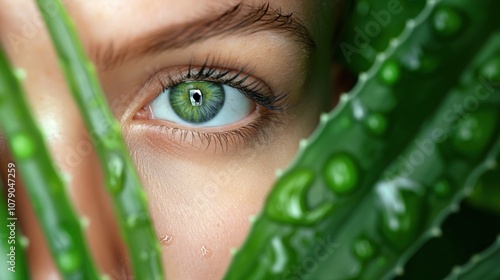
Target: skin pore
[(203, 183)]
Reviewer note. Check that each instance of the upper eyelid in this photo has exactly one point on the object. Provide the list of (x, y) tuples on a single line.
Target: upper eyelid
[(266, 97)]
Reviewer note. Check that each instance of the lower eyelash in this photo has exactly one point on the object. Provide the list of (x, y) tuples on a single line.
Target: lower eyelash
[(250, 136)]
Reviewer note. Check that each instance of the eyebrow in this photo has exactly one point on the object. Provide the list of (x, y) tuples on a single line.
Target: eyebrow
[(241, 19)]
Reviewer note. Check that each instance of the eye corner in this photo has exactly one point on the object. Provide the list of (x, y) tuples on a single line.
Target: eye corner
[(144, 113)]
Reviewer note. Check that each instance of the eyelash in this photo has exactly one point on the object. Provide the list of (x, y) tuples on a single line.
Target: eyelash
[(250, 135), (237, 80), (254, 133)]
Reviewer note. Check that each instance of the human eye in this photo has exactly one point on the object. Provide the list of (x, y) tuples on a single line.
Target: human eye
[(214, 103), (201, 103)]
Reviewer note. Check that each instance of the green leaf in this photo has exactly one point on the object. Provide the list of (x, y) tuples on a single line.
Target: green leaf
[(121, 180), (45, 187), (405, 172), (483, 266)]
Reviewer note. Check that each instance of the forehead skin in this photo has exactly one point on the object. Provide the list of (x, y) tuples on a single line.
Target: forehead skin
[(99, 23), (114, 19)]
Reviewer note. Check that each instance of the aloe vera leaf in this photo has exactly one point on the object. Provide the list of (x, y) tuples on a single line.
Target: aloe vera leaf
[(483, 266), (486, 194), (121, 180), (45, 187), (14, 262), (370, 28), (337, 212)]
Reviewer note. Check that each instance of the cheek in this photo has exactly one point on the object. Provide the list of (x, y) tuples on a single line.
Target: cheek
[(201, 205)]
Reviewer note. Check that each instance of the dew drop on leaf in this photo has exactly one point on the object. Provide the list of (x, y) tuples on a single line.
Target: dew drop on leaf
[(390, 73), (447, 21), (364, 249), (23, 146), (400, 226), (116, 173), (287, 200), (474, 131), (491, 70), (137, 220), (69, 260), (341, 174), (442, 188), (376, 124)]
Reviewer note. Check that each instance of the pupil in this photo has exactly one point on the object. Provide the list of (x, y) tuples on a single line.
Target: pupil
[(196, 97)]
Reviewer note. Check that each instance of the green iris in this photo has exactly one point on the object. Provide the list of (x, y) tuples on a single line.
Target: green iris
[(197, 102)]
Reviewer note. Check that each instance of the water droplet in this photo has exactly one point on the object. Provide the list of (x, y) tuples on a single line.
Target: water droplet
[(303, 144), (279, 255), (166, 240), (447, 21), (143, 195), (287, 200), (137, 220), (491, 70), (474, 131), (442, 188), (24, 241), (23, 146), (399, 271), (364, 249), (390, 73), (456, 270), (20, 74), (401, 215), (435, 232), (358, 109), (115, 165), (252, 219), (233, 251), (144, 256), (345, 122), (69, 261), (341, 174), (66, 177), (278, 173), (376, 123), (84, 222), (205, 252)]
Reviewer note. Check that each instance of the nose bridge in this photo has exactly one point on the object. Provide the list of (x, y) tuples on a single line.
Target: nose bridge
[(27, 45)]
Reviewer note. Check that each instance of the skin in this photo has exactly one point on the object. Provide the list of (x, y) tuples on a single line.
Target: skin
[(200, 195)]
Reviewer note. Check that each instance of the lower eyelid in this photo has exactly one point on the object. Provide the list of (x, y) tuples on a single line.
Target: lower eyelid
[(247, 136)]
